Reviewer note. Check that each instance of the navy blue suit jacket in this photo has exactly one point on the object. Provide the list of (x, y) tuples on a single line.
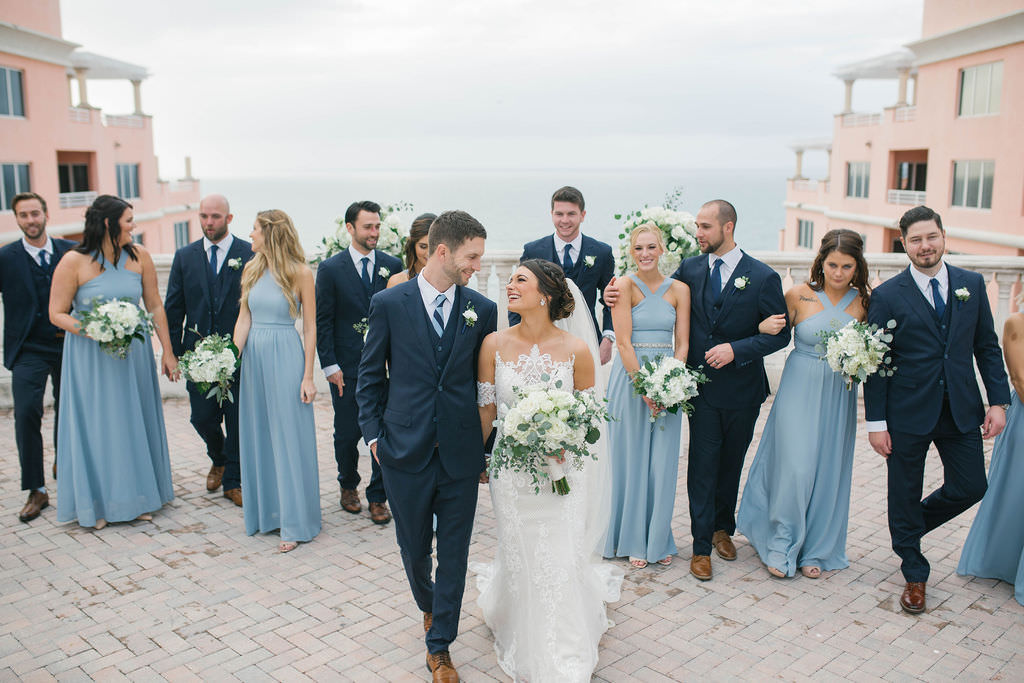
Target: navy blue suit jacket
[(341, 302), (21, 300), (742, 383), (405, 401), (590, 279), (929, 364), (191, 294)]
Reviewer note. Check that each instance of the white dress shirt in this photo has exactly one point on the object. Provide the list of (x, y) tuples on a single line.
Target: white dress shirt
[(730, 260), (429, 294), (222, 249), (574, 248), (34, 251)]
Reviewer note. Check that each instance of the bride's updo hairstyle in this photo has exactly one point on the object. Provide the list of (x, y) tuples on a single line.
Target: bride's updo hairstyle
[(551, 284)]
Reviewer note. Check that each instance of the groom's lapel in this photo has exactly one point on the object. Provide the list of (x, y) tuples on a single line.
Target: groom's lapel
[(922, 308), (418, 319), (460, 330)]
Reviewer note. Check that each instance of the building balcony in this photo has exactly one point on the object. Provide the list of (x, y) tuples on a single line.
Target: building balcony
[(904, 114), (72, 200), (861, 120), (79, 114), (906, 197), (125, 121)]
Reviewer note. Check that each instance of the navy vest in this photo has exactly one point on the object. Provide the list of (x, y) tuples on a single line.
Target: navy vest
[(43, 335)]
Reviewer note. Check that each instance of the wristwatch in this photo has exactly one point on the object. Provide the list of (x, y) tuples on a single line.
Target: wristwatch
[(1004, 406)]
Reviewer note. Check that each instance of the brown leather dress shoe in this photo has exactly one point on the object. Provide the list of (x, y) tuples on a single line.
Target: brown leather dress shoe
[(428, 620), (912, 599), (350, 501), (37, 501), (441, 667), (700, 566), (55, 468), (214, 477), (723, 546), (234, 495), (379, 513)]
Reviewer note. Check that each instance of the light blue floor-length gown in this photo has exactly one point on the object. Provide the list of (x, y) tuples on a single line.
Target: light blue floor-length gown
[(796, 503), (644, 455), (995, 544), (113, 462), (276, 435)]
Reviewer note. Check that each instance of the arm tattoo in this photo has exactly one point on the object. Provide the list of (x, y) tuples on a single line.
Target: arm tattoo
[(807, 298)]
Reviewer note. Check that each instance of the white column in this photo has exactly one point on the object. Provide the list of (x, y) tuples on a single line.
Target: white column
[(901, 94), (71, 98), (83, 92), (848, 101), (799, 173), (913, 96), (828, 165), (137, 92), (188, 168)]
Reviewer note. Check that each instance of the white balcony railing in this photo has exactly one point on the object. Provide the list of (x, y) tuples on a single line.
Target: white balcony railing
[(805, 185), (128, 121), (857, 120), (71, 200), (902, 114), (79, 115), (906, 197)]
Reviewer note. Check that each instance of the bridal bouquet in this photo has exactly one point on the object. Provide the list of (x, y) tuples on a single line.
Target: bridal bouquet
[(115, 323), (545, 426), (857, 350), (211, 366), (394, 221), (669, 384)]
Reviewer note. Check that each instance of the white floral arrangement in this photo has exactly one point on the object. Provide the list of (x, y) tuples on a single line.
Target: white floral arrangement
[(962, 294), (394, 222), (211, 366), (115, 323), (234, 263), (678, 231), (741, 283), (546, 431), (857, 350), (469, 315), (669, 384)]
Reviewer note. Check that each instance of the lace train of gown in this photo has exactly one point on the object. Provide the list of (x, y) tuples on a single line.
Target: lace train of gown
[(544, 595)]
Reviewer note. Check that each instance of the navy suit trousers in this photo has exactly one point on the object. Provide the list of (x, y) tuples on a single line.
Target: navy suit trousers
[(221, 444), (964, 484), (346, 443), (28, 386)]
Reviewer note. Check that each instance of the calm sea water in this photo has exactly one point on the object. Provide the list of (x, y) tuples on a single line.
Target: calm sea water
[(512, 205)]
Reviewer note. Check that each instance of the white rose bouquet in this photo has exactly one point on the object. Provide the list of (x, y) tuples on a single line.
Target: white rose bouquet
[(211, 366), (546, 431), (669, 385), (115, 323), (393, 232), (678, 231), (857, 350)]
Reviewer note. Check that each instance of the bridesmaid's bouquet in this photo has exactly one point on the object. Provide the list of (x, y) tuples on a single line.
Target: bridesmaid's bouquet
[(115, 323), (857, 350), (669, 384), (211, 366), (546, 431)]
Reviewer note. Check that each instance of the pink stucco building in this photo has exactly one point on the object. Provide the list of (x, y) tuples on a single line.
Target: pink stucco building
[(953, 139), (69, 151)]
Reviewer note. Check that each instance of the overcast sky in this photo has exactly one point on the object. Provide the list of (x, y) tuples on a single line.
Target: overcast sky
[(268, 89)]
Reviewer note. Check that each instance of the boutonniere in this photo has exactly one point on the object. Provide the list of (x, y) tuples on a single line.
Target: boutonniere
[(741, 283), (384, 272), (469, 315), (962, 294), (234, 263), (362, 327), (588, 261)]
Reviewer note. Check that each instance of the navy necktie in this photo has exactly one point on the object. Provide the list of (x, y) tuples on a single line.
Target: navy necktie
[(213, 260), (716, 279), (566, 260), (366, 274), (438, 319), (940, 305), (42, 259)]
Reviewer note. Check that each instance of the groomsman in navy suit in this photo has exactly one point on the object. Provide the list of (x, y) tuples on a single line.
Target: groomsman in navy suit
[(32, 346), (418, 413), (586, 261), (344, 285), (203, 292), (943, 325)]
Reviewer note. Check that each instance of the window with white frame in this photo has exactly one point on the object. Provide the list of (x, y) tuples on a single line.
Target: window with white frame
[(12, 97), (972, 184), (858, 175), (13, 179), (805, 233), (128, 181), (980, 89), (180, 234), (73, 177)]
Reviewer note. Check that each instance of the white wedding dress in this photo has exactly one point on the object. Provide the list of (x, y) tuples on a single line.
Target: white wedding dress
[(544, 594)]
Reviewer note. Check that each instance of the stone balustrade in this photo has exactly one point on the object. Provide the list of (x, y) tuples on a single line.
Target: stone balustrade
[(1002, 273)]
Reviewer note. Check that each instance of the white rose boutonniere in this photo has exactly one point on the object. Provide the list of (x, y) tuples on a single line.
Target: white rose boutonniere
[(384, 272), (234, 263), (362, 327), (741, 283), (962, 294), (588, 261), (469, 315)]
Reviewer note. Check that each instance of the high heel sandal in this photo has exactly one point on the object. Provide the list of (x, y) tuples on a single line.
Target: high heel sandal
[(811, 572), (287, 546), (637, 562)]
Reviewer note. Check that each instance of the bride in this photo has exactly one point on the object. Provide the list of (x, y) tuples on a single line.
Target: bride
[(544, 595)]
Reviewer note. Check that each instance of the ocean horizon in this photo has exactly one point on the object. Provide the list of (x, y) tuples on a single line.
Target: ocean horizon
[(514, 205)]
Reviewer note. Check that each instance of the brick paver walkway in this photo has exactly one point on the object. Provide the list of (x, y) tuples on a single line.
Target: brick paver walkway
[(189, 596)]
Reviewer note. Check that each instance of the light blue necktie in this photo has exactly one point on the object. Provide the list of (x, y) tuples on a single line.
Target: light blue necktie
[(438, 318), (940, 305)]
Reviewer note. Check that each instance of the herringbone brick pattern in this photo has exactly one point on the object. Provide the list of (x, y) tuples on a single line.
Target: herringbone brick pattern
[(190, 597)]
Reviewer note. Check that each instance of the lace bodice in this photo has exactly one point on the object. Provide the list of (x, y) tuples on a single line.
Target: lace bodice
[(527, 371)]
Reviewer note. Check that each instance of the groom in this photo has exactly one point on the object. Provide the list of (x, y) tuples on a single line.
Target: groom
[(418, 413), (943, 324)]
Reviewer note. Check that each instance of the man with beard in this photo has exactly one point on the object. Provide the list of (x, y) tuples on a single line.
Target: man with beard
[(344, 285), (203, 293), (943, 323), (32, 345)]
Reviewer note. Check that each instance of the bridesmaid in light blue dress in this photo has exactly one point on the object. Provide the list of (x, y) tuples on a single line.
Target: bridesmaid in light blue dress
[(277, 438), (113, 460), (796, 503), (644, 454), (995, 545)]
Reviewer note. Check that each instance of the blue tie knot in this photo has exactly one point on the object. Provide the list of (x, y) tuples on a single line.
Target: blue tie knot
[(937, 300)]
